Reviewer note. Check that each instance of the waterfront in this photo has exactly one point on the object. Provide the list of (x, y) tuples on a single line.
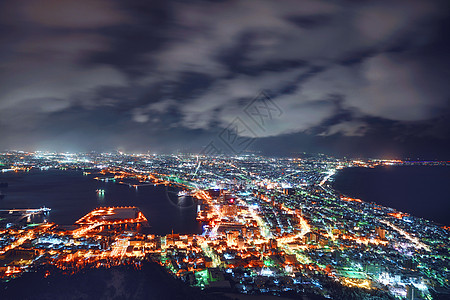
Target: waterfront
[(422, 191), (72, 195), (271, 226)]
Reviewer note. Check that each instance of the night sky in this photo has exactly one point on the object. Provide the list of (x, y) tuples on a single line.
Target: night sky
[(346, 78)]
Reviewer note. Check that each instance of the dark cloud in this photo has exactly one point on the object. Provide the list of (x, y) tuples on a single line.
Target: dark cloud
[(362, 78)]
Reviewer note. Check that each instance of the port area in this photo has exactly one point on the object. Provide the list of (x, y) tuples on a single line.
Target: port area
[(19, 217), (111, 218), (100, 238)]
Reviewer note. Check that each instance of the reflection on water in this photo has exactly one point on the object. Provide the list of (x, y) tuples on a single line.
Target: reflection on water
[(71, 195), (100, 195)]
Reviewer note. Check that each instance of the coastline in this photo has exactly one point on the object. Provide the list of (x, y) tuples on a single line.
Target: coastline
[(392, 197)]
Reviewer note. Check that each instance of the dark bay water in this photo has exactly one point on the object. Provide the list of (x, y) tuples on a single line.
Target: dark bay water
[(423, 191), (71, 195)]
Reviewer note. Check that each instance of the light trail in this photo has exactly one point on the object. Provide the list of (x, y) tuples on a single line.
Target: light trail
[(329, 174), (408, 236), (77, 233), (18, 242)]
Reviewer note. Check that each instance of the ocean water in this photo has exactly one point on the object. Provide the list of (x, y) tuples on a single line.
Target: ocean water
[(422, 191), (71, 195)]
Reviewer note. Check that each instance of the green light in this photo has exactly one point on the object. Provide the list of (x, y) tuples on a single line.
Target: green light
[(203, 274), (269, 263), (202, 277)]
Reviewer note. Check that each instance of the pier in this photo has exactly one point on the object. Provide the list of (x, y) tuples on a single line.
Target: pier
[(17, 215)]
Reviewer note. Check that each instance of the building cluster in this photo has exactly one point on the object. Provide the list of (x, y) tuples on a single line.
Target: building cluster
[(270, 225)]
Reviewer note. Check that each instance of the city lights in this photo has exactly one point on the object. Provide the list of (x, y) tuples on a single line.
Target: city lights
[(263, 230)]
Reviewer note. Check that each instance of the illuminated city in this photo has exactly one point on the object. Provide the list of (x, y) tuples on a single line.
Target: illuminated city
[(270, 226), (225, 149)]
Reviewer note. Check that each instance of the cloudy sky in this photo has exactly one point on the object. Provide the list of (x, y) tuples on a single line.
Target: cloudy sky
[(353, 78)]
